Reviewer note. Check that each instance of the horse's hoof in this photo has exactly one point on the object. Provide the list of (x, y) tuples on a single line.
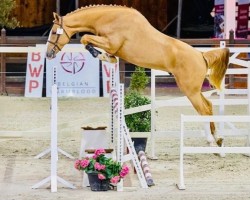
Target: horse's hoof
[(113, 59), (107, 58), (219, 142)]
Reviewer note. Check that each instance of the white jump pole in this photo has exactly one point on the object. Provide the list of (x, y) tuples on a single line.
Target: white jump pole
[(54, 152), (152, 115)]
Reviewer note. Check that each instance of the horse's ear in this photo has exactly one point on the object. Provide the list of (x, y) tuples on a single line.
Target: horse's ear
[(56, 16)]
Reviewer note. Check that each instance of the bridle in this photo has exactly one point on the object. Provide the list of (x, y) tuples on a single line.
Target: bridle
[(59, 32)]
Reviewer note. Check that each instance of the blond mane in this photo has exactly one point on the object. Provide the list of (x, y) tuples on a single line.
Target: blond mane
[(96, 6)]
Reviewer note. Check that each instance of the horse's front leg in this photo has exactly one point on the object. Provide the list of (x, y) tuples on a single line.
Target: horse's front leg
[(91, 40), (94, 52)]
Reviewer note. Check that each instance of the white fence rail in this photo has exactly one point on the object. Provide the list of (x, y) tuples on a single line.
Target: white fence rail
[(193, 150)]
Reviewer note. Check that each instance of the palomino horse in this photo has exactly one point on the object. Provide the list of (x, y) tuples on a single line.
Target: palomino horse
[(125, 32)]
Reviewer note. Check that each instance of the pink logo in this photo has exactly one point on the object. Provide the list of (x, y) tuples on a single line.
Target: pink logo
[(72, 62)]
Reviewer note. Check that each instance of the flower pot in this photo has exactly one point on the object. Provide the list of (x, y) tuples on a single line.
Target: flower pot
[(96, 184)]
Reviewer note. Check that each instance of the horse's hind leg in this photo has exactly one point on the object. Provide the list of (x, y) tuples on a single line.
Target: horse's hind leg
[(218, 140), (204, 107)]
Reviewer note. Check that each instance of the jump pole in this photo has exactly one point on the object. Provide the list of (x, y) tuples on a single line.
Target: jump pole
[(53, 178)]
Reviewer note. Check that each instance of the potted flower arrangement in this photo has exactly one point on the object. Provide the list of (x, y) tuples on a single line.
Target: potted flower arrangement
[(138, 122), (102, 171)]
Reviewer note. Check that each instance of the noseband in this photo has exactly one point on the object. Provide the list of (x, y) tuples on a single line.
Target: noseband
[(58, 33)]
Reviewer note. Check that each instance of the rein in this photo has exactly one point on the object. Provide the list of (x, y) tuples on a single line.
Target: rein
[(58, 33)]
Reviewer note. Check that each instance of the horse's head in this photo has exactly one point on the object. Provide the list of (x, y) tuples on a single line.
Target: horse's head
[(58, 37)]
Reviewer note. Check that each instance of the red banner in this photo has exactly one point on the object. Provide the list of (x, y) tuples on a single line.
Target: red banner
[(242, 19)]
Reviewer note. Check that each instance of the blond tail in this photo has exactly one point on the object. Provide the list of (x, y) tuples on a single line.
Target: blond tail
[(217, 61)]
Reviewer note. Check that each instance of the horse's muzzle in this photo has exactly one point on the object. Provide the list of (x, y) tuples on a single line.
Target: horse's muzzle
[(50, 55)]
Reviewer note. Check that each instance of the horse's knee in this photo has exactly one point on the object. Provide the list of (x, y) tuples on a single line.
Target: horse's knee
[(94, 52), (83, 40)]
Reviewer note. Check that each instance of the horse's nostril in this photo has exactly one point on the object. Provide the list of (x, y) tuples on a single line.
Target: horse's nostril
[(48, 54)]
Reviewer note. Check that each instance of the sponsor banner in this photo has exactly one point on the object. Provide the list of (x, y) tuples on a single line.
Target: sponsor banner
[(219, 18), (106, 76), (77, 74), (34, 74), (242, 19)]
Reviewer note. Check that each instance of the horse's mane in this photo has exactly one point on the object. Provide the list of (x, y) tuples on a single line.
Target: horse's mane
[(95, 6)]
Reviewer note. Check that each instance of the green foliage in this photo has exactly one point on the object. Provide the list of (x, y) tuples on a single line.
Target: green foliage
[(6, 7), (137, 122), (139, 80)]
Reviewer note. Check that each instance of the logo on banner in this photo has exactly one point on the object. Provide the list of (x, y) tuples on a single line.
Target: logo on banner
[(34, 74), (77, 74), (72, 63), (106, 76)]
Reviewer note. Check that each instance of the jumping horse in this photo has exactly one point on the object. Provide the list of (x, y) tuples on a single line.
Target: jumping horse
[(124, 32)]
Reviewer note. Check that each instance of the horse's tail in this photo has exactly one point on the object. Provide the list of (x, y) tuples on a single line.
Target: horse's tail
[(217, 62)]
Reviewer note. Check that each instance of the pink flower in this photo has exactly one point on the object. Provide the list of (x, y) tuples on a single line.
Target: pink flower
[(101, 176), (77, 164), (124, 171), (98, 152), (94, 156), (115, 179), (99, 166), (84, 163)]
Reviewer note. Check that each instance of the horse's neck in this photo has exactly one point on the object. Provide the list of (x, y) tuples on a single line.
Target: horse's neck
[(84, 20), (77, 22)]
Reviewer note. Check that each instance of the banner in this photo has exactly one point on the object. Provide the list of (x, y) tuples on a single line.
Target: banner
[(106, 76), (219, 18), (77, 74), (34, 74), (242, 19)]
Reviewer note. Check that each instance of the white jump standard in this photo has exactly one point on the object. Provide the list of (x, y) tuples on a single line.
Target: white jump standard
[(53, 178), (117, 110)]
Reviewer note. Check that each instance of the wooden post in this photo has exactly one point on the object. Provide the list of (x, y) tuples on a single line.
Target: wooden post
[(3, 64), (122, 71), (231, 37)]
